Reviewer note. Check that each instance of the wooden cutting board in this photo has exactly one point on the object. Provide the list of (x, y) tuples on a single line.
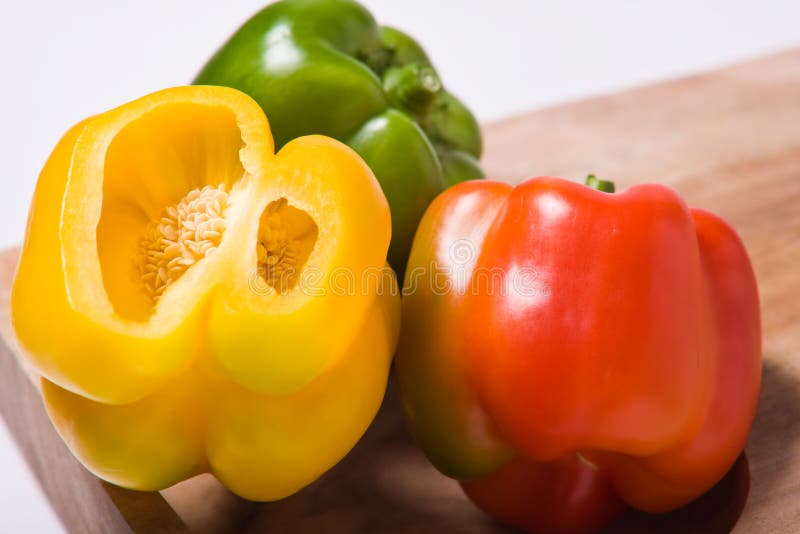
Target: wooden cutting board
[(728, 140)]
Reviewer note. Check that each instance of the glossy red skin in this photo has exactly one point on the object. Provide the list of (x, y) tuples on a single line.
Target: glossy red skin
[(621, 327), (561, 496)]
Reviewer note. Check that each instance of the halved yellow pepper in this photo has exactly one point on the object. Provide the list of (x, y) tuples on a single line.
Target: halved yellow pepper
[(195, 302)]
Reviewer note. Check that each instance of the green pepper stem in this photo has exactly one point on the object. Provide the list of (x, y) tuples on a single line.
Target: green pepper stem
[(594, 182), (412, 87)]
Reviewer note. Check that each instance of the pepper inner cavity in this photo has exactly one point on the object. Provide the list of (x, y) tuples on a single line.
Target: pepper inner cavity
[(286, 237), (184, 234)]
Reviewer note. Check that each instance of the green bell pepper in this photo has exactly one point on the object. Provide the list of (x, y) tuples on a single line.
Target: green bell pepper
[(326, 67)]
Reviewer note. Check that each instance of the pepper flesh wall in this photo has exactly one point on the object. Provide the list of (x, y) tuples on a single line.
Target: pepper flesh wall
[(167, 255)]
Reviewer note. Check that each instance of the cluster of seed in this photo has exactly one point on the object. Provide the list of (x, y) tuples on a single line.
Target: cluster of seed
[(277, 251), (184, 234)]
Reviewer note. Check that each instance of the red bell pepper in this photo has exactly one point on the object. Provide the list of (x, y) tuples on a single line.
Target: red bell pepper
[(568, 351)]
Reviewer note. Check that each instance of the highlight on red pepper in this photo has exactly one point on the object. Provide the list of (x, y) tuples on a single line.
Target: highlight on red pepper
[(567, 351)]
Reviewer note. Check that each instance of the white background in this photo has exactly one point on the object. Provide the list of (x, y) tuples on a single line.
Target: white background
[(62, 61)]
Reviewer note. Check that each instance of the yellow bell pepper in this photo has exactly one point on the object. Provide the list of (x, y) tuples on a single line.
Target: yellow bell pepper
[(196, 303)]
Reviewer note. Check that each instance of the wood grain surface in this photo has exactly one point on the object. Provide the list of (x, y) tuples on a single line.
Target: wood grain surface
[(728, 140)]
